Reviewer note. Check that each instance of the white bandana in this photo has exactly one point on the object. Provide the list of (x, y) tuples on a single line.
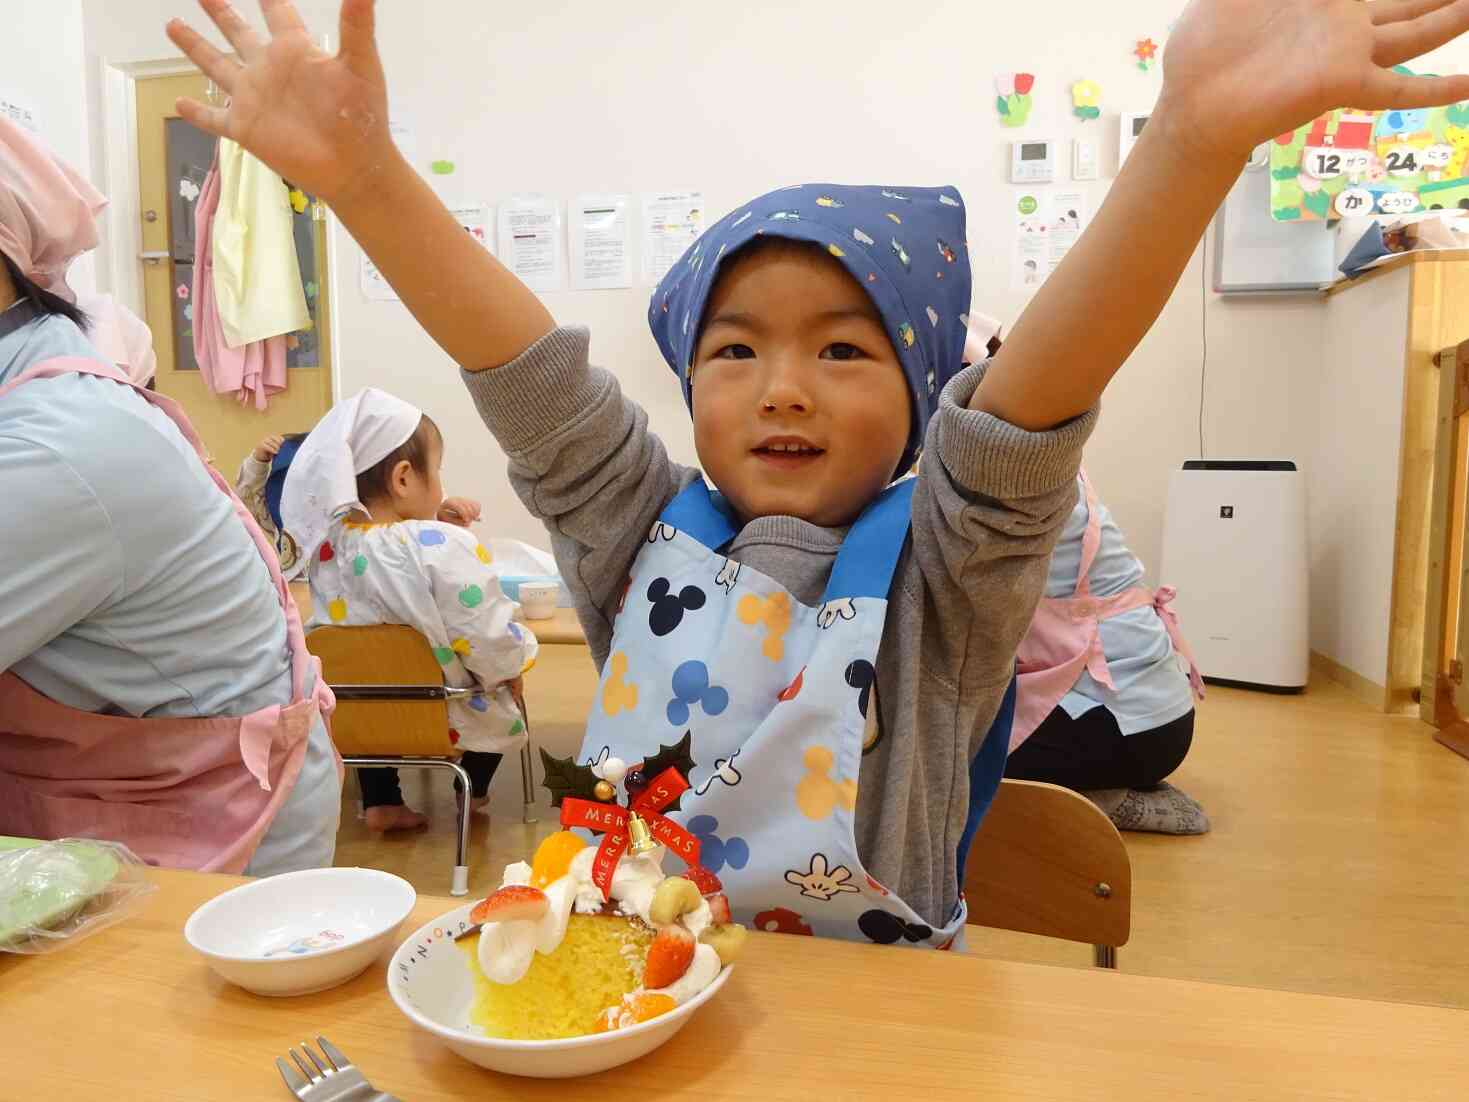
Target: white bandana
[(321, 485)]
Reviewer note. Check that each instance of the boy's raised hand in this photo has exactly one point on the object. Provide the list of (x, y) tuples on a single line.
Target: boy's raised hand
[(319, 120), (1239, 72)]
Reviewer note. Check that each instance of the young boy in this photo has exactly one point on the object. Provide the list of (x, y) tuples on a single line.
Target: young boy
[(760, 620)]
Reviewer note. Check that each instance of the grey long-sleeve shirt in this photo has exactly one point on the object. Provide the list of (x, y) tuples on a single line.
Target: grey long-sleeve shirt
[(990, 503)]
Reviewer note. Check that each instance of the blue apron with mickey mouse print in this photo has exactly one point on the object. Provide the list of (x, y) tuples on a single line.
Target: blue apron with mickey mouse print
[(775, 695)]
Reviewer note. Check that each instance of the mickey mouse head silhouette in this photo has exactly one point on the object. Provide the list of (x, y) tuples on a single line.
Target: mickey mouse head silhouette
[(691, 686), (885, 928), (860, 675), (668, 610)]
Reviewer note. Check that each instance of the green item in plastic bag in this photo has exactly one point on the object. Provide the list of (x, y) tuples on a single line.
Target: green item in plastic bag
[(54, 892)]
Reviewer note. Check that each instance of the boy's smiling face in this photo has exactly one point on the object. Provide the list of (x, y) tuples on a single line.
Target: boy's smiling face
[(801, 407)]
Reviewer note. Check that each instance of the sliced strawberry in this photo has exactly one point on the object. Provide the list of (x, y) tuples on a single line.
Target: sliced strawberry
[(718, 908), (704, 880), (668, 957), (511, 904)]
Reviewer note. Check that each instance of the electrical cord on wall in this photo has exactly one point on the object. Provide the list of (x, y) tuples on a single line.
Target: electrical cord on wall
[(1203, 332)]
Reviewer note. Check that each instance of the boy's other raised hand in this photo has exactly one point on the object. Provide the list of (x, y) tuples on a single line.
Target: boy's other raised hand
[(320, 120), (1239, 72)]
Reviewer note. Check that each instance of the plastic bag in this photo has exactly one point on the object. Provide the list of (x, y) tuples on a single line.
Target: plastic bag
[(55, 893)]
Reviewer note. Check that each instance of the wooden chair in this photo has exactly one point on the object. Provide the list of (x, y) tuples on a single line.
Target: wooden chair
[(1046, 860), (392, 710)]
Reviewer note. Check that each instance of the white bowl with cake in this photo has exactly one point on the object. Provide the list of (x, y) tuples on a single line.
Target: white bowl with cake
[(431, 981), (590, 955)]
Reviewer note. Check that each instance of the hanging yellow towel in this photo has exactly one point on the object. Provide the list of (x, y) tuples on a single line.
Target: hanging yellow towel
[(257, 279)]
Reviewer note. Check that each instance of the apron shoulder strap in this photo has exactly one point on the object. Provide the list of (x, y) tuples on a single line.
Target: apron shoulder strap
[(869, 556), (700, 515)]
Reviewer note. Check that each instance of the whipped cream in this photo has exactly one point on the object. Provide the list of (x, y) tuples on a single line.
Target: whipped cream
[(506, 949)]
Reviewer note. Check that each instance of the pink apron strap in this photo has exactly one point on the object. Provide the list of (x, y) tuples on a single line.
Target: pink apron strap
[(1161, 600)]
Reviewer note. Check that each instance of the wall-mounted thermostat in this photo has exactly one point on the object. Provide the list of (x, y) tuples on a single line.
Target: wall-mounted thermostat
[(1084, 159), (1131, 131), (1032, 162)]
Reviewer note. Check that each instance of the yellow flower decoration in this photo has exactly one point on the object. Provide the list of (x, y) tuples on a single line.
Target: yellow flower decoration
[(1086, 93)]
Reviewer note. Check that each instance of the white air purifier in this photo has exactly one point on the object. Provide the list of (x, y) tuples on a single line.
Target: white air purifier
[(1235, 547)]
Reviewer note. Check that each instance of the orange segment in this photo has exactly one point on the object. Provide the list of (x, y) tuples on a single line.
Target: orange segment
[(635, 1009), (644, 1008), (553, 858)]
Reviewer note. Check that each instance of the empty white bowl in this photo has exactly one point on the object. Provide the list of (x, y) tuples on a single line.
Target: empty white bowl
[(301, 932), (538, 599), (430, 980)]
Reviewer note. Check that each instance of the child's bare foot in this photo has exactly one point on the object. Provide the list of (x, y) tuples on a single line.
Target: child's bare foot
[(394, 817), (477, 803)]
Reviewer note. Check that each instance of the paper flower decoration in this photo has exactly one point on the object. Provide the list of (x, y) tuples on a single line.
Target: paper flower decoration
[(1086, 98), (1146, 52), (1013, 101)]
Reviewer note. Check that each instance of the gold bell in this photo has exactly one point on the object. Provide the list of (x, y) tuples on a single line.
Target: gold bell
[(640, 838)]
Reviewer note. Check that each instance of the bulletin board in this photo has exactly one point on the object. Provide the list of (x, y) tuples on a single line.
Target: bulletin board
[(1355, 163)]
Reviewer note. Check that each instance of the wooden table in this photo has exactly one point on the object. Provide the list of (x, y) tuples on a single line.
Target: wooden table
[(133, 1013), (564, 627)]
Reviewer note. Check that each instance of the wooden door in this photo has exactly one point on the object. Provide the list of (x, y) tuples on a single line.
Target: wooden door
[(1445, 697), (173, 159)]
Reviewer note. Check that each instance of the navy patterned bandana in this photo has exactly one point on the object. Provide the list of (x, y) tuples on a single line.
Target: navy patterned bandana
[(907, 247)]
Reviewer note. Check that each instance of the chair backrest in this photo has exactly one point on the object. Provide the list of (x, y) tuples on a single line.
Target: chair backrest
[(1046, 860), (383, 654)]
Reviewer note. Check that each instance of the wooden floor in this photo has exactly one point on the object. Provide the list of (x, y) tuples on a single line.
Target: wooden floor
[(1338, 863)]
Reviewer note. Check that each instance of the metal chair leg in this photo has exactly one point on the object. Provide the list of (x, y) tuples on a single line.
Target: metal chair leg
[(1105, 956), (527, 785), (460, 883), (527, 774)]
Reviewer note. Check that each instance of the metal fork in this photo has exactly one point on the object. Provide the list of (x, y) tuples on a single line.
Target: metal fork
[(337, 1080)]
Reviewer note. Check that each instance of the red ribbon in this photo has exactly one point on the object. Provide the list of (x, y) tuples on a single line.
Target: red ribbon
[(610, 821)]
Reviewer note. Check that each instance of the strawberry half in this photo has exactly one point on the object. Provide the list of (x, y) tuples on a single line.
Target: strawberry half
[(512, 904), (668, 957), (704, 880), (718, 909)]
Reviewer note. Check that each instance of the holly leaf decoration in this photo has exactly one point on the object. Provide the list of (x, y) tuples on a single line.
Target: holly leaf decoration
[(676, 757), (563, 777)]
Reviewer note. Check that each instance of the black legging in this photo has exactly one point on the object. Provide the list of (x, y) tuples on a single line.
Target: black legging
[(1092, 752), (380, 786)]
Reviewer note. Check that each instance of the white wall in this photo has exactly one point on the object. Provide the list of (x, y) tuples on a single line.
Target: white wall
[(41, 65), (574, 95), (1354, 491)]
